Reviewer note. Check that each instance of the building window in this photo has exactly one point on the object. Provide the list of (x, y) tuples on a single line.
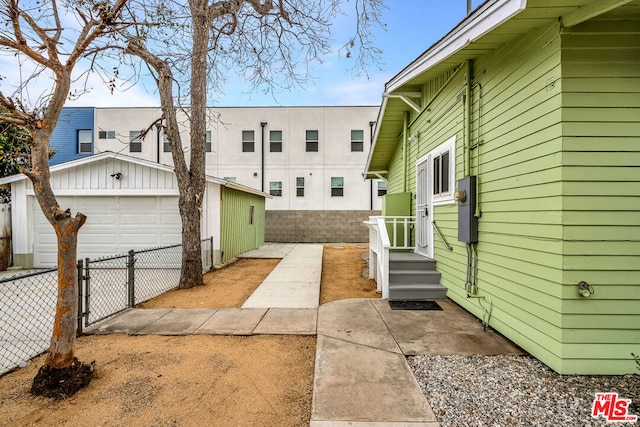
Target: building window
[(275, 188), (135, 142), (84, 141), (443, 171), (382, 188), (248, 141), (441, 174), (312, 141), (207, 144), (166, 147), (357, 140), (275, 141), (251, 213), (300, 186), (106, 134), (230, 178), (337, 186)]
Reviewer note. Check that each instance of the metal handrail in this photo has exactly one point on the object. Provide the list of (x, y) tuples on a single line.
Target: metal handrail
[(444, 242)]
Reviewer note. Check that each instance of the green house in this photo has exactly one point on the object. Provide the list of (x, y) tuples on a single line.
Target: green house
[(511, 148)]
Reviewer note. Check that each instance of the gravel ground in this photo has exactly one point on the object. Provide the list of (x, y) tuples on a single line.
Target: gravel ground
[(514, 391)]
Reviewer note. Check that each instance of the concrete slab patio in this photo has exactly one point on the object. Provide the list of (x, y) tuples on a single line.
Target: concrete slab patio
[(361, 374), (360, 357)]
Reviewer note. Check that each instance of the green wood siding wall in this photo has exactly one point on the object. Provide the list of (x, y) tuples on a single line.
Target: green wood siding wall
[(236, 234), (556, 148), (516, 153), (601, 194)]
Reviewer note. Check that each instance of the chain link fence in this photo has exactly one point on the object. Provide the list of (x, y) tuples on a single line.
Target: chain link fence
[(107, 286)]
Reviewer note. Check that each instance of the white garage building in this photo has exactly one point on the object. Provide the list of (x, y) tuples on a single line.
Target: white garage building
[(130, 203)]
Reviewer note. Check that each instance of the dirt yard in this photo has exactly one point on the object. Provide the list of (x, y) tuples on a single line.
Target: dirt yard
[(195, 380)]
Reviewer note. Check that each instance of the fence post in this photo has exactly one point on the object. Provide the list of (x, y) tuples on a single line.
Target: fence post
[(211, 252), (131, 278), (87, 291), (80, 286)]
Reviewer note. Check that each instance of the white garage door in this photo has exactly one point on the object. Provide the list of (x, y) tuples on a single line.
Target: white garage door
[(115, 224)]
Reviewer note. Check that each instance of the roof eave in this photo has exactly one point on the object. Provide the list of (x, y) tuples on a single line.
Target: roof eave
[(485, 18)]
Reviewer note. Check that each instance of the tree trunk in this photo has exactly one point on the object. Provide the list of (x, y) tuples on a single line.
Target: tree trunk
[(193, 184), (62, 374), (191, 273)]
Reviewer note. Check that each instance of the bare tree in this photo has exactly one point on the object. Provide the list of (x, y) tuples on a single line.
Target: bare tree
[(270, 43), (35, 32)]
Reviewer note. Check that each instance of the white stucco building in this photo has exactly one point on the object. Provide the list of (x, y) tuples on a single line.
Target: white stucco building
[(310, 159)]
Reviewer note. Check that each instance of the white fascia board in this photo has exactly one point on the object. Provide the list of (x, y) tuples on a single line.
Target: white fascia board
[(238, 187), (489, 16), (376, 132)]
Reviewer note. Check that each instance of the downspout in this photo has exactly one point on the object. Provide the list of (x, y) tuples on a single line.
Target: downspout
[(158, 127), (371, 180), (262, 124), (405, 130)]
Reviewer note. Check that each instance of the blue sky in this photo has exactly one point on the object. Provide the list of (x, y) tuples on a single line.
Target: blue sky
[(412, 26)]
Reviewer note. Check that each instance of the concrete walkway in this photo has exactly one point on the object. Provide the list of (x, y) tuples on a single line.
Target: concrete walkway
[(294, 283), (361, 374)]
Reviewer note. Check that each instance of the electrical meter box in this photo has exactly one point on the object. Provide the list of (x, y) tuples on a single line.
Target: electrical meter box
[(467, 221)]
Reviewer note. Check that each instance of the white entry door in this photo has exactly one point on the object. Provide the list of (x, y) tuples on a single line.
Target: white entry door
[(424, 231)]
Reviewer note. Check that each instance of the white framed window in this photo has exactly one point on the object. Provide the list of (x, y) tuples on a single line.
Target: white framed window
[(135, 142), (311, 141), (207, 144), (275, 188), (166, 147), (443, 165), (106, 134), (357, 140), (275, 141), (248, 141), (382, 188), (300, 186), (85, 141), (337, 186)]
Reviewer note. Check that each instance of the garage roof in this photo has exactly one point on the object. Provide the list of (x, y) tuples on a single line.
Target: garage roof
[(123, 157)]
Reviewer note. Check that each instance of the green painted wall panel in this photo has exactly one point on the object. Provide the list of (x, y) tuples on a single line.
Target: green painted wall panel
[(589, 143), (602, 129), (596, 188), (586, 366), (620, 278), (555, 126), (601, 84), (237, 235), (611, 233), (604, 336), (602, 321), (589, 262), (519, 205), (601, 100), (591, 305), (594, 247), (602, 172), (602, 70), (606, 351), (615, 115), (605, 290)]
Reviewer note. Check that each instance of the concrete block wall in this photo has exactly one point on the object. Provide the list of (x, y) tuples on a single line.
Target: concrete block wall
[(317, 226)]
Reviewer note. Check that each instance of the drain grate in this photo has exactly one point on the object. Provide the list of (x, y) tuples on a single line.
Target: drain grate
[(414, 305)]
